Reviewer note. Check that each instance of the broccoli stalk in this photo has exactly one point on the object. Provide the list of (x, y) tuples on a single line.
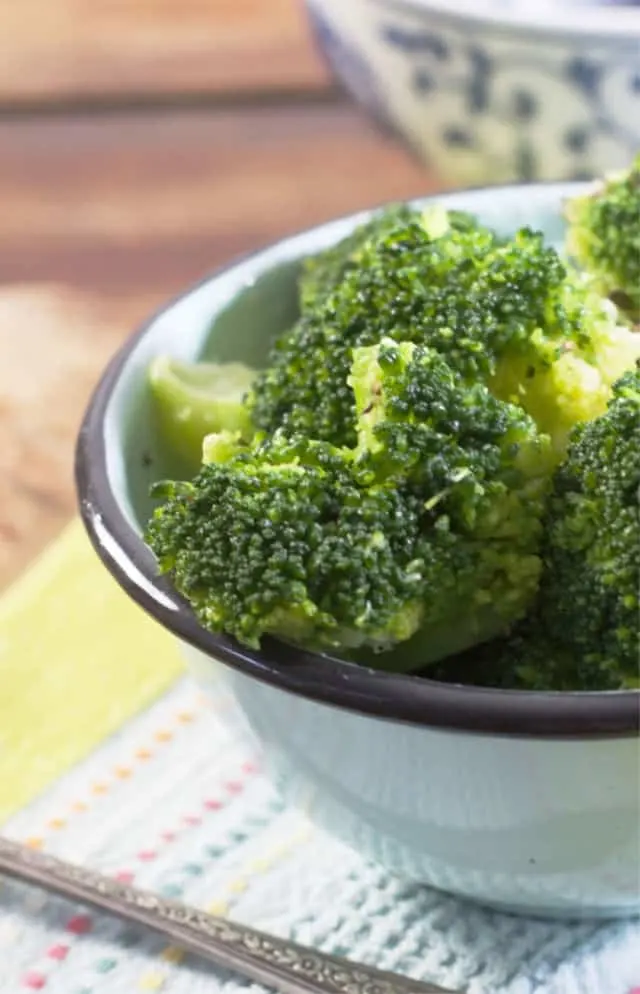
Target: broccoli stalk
[(603, 236), (193, 399)]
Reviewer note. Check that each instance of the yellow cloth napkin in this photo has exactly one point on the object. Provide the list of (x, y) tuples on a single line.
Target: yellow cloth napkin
[(77, 659)]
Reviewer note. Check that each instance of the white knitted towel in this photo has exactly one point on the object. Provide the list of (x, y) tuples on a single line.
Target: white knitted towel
[(175, 804)]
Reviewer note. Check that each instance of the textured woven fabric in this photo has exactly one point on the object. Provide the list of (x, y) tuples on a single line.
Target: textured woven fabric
[(174, 803)]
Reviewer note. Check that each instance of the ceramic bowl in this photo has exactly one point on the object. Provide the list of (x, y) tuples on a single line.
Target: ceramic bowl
[(492, 92), (526, 801)]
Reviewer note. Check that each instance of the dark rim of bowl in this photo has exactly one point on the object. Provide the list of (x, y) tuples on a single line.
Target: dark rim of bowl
[(396, 697)]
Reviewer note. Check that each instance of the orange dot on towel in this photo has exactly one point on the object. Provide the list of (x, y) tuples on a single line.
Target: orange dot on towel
[(171, 954)]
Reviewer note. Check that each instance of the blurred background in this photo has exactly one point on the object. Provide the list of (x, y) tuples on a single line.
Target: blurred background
[(144, 143)]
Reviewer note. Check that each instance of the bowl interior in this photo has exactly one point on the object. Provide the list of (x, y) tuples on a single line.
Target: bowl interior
[(234, 316), (241, 331)]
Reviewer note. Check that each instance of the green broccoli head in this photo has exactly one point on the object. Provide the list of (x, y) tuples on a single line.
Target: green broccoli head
[(279, 539), (482, 470), (429, 528), (589, 595), (304, 387), (584, 631), (322, 272), (412, 465), (562, 369), (604, 236), (505, 313), (419, 420)]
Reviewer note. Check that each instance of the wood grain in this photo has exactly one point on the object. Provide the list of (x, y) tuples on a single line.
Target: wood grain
[(103, 219), (54, 49), (131, 203), (52, 344)]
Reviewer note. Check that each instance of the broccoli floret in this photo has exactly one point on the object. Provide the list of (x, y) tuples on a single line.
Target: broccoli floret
[(563, 373), (322, 272), (482, 470), (278, 538), (221, 446), (506, 313), (584, 631), (589, 596), (389, 480), (417, 419), (429, 528), (604, 236), (304, 387)]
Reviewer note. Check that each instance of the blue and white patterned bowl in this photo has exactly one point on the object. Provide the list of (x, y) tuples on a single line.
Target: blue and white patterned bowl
[(489, 93)]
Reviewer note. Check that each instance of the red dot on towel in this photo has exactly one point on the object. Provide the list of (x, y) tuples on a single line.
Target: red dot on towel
[(58, 952), (34, 981), (124, 876), (79, 925)]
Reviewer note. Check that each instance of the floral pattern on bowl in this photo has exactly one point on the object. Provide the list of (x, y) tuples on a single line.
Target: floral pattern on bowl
[(486, 102)]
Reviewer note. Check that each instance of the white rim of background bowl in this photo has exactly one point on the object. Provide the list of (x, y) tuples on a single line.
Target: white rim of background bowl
[(549, 18)]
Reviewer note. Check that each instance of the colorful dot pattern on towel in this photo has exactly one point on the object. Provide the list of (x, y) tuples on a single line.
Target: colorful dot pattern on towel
[(175, 803)]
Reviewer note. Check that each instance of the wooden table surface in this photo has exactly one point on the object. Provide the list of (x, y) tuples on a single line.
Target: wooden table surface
[(112, 201)]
